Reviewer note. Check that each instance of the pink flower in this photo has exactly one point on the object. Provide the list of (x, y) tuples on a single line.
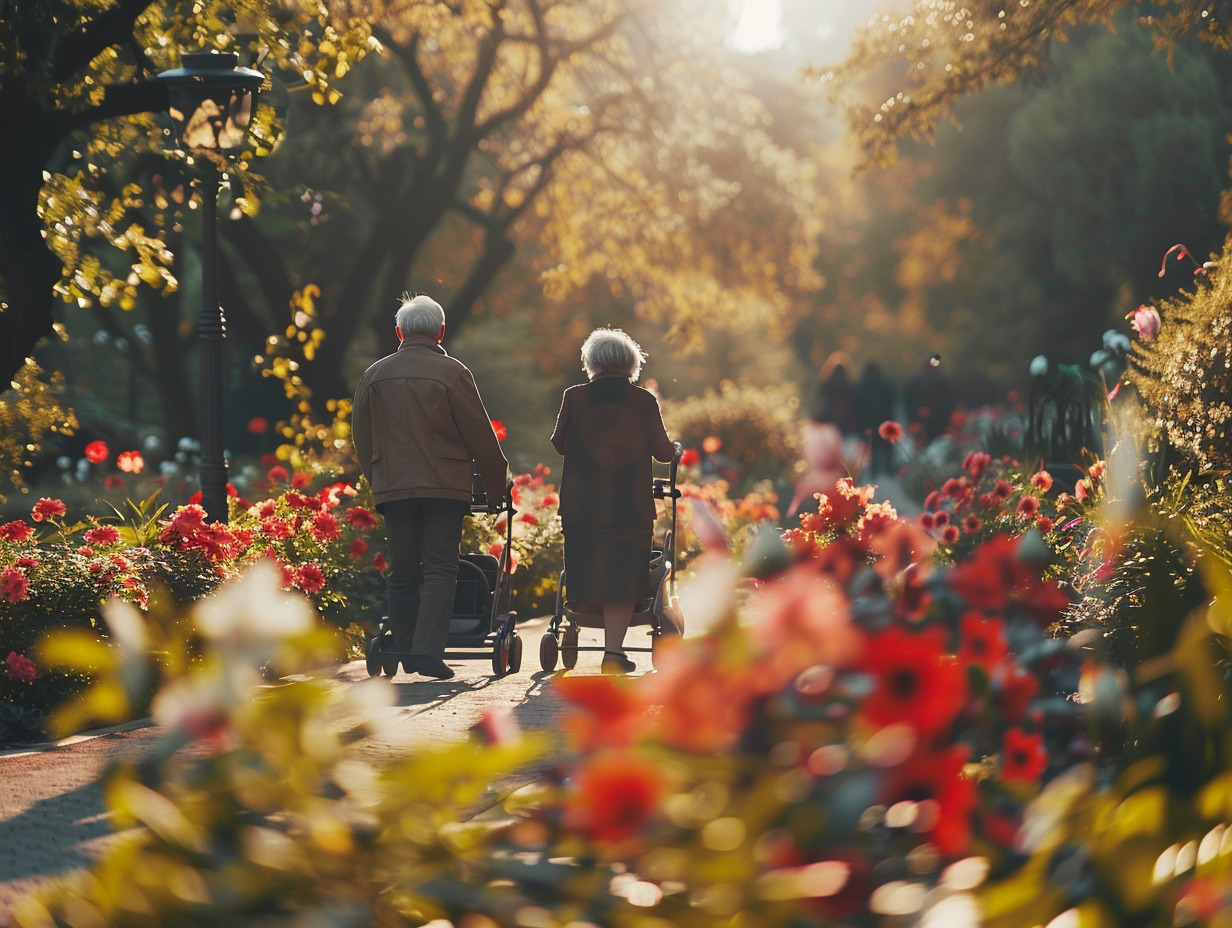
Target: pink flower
[(96, 452), (102, 535), (890, 431), (16, 530), (950, 534), (1028, 506), (972, 524), (1145, 321), (131, 462), (20, 668), (277, 474), (358, 549), (13, 585), (300, 480), (47, 509)]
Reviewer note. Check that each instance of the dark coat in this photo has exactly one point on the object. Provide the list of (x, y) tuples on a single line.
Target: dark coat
[(608, 430)]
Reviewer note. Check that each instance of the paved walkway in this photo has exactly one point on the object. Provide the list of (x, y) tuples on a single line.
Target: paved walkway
[(53, 821)]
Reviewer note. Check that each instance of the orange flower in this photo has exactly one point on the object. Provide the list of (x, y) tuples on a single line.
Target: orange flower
[(614, 795), (605, 713), (711, 444)]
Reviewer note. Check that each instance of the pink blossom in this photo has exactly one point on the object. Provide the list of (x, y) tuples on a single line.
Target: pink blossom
[(1145, 321), (13, 585), (16, 530), (890, 431), (20, 668), (102, 535), (47, 509)]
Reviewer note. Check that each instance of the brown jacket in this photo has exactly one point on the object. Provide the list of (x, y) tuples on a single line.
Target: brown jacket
[(608, 430), (418, 424)]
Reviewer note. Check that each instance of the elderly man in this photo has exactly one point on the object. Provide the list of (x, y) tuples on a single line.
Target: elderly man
[(420, 431)]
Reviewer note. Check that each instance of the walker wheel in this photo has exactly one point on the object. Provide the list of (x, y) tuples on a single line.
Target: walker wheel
[(500, 656), (388, 663), (549, 650), (569, 648), (373, 655), (515, 653)]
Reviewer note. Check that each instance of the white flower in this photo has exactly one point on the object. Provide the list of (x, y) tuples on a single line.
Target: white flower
[(1039, 366), (253, 609)]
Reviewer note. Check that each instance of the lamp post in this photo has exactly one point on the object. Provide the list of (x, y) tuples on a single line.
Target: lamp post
[(211, 102)]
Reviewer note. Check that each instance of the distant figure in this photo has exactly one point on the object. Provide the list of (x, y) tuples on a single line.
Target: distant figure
[(420, 432), (930, 402), (835, 399), (875, 396), (608, 430), (832, 417)]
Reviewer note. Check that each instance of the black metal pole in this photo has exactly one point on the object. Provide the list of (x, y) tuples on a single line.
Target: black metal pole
[(211, 334)]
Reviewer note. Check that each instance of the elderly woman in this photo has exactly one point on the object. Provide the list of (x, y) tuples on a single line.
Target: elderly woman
[(608, 430)]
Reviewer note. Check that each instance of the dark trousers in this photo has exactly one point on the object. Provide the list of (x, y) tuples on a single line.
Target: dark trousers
[(422, 541)]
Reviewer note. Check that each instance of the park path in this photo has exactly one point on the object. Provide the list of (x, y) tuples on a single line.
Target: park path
[(53, 821)]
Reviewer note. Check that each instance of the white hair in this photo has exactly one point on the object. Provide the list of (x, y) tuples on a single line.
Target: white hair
[(420, 315), (611, 351)]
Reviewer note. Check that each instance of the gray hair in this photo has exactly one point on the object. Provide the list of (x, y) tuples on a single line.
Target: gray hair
[(611, 351), (420, 315)]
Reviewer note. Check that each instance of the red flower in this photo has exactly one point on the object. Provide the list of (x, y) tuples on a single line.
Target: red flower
[(976, 463), (916, 681), (113, 482), (325, 527), (277, 474), (1024, 756), (378, 562), (689, 457), (945, 798), (987, 580), (614, 795), (27, 563), (14, 586), (258, 425), (1016, 688), (361, 518), (983, 640), (187, 522), (1028, 507), (300, 480), (96, 452), (529, 518), (358, 549), (549, 499), (950, 534), (17, 530), (1042, 480), (1002, 489), (311, 578), (131, 462), (972, 524), (20, 668), (890, 431), (102, 535), (275, 527), (1044, 524), (499, 428), (47, 509), (607, 714)]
